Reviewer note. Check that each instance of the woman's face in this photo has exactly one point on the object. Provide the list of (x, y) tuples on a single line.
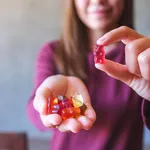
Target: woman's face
[(99, 14)]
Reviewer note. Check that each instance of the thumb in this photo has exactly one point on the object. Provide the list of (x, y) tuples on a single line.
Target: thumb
[(116, 70)]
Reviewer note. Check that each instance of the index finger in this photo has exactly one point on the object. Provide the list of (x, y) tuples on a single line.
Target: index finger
[(123, 33), (40, 101), (90, 113)]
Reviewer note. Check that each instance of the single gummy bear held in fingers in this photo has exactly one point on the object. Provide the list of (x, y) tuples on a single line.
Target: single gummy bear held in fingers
[(99, 54)]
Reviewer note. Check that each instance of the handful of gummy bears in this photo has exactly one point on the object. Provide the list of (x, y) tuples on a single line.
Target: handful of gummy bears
[(66, 107)]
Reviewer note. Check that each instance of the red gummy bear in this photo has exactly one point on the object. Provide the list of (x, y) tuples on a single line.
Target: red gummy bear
[(70, 113), (53, 106), (55, 109), (99, 54), (64, 102)]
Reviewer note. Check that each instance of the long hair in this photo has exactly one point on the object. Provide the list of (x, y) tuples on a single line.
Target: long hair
[(71, 54), (127, 15)]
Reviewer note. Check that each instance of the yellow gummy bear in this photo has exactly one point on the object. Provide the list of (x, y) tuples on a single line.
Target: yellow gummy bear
[(77, 100)]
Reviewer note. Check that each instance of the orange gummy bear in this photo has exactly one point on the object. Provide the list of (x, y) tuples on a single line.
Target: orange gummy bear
[(70, 113)]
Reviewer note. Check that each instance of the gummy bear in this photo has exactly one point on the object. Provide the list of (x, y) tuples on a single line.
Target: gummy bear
[(70, 113), (99, 54), (77, 100), (64, 102), (71, 107), (83, 108), (53, 106), (55, 109)]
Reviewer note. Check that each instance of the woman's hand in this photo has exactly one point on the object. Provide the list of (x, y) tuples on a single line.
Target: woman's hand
[(68, 86), (136, 72)]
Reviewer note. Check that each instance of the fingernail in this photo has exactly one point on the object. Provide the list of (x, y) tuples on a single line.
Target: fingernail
[(98, 66)]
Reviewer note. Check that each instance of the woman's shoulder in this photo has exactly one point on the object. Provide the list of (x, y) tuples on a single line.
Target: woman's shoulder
[(49, 46), (46, 51)]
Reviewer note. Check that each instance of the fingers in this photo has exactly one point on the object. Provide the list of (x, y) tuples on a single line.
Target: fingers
[(82, 122), (116, 70), (144, 64), (85, 122), (132, 50), (56, 83), (136, 50), (88, 119), (122, 33), (70, 124), (75, 125), (90, 113), (50, 121), (40, 102)]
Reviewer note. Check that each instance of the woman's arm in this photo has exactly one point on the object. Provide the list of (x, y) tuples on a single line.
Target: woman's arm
[(44, 68)]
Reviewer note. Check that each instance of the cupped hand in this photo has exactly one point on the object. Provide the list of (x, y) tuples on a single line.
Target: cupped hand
[(68, 86)]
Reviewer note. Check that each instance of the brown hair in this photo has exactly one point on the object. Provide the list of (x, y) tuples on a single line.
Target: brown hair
[(71, 54)]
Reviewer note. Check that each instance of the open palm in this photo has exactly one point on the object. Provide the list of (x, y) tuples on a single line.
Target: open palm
[(68, 86)]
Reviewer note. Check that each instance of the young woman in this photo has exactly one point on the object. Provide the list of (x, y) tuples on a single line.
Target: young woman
[(116, 93)]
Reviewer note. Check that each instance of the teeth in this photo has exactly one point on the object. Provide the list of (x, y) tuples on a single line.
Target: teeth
[(94, 8)]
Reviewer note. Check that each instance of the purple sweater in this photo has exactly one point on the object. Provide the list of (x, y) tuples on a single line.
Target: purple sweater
[(120, 111)]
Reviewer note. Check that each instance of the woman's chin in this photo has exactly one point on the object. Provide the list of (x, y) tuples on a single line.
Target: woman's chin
[(103, 26)]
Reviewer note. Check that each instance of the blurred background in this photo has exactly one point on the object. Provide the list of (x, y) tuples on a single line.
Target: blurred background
[(24, 26)]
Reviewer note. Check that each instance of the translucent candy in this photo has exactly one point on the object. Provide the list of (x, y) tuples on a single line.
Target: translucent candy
[(71, 107), (65, 103), (54, 101), (99, 54), (70, 113), (53, 106), (83, 108), (99, 60), (77, 100), (55, 109)]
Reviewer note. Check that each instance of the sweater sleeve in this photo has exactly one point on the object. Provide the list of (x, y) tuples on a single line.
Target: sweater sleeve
[(146, 113), (44, 68)]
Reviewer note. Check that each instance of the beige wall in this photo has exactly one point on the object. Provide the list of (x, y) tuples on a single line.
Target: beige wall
[(142, 16), (24, 26)]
